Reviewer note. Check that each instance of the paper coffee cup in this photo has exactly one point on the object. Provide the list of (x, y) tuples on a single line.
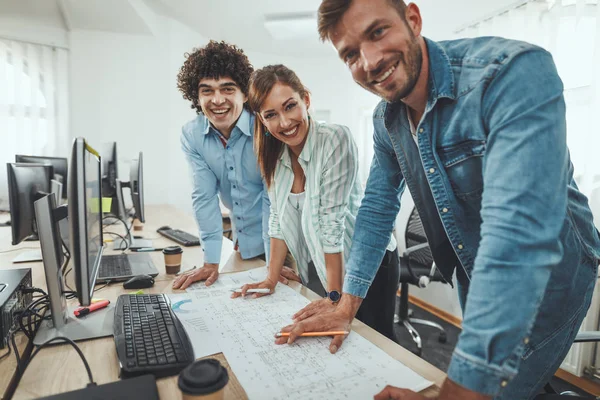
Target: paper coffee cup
[(137, 225), (173, 256), (203, 380)]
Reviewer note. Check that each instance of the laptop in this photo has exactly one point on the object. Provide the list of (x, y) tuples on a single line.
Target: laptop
[(121, 267)]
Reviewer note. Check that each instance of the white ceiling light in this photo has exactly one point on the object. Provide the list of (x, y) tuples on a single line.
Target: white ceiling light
[(292, 26)]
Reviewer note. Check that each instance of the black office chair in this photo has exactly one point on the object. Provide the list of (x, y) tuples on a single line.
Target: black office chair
[(416, 268), (551, 393)]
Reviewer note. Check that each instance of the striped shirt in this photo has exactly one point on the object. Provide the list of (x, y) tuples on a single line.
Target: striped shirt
[(332, 198)]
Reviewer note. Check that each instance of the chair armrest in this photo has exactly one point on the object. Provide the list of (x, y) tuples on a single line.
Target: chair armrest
[(412, 249), (589, 336)]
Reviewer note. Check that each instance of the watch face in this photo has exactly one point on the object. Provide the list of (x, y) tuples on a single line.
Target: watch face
[(334, 296)]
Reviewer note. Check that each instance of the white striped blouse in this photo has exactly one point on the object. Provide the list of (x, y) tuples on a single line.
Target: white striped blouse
[(332, 198)]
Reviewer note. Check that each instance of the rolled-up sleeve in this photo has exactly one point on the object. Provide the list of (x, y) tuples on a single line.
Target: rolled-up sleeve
[(523, 209), (376, 217), (337, 179), (205, 200), (274, 227)]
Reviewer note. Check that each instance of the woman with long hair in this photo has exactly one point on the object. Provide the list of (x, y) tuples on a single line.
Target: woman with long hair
[(310, 169)]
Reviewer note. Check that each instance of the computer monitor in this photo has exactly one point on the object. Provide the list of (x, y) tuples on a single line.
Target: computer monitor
[(49, 217), (26, 184), (119, 211), (108, 156), (136, 184), (85, 218), (60, 165)]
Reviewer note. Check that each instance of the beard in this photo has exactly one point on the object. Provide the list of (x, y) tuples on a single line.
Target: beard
[(412, 65), (411, 62)]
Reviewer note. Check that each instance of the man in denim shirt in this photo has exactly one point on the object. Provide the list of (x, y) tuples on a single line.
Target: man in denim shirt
[(218, 145), (487, 164)]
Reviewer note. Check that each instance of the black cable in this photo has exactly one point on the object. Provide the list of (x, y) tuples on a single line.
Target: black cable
[(123, 240), (5, 354), (127, 229), (66, 340), (102, 287)]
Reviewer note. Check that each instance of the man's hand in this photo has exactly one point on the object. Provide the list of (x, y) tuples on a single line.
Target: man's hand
[(394, 393), (266, 284), (287, 274), (316, 307), (208, 272), (335, 320)]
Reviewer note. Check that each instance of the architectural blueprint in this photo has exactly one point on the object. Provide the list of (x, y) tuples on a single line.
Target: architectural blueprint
[(244, 329)]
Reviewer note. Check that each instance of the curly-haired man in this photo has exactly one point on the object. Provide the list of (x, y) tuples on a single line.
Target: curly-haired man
[(218, 145)]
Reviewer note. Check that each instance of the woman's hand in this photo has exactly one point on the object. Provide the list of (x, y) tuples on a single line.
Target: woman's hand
[(266, 284)]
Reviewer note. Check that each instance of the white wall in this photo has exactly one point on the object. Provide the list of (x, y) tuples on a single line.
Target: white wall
[(118, 93)]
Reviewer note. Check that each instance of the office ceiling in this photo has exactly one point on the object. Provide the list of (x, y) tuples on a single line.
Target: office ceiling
[(237, 21)]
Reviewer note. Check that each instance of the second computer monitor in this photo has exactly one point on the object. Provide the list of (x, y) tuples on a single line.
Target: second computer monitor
[(60, 165), (136, 184), (26, 183), (85, 218), (110, 171)]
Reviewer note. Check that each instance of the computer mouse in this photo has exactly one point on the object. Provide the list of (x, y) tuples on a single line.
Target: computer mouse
[(139, 282), (164, 228)]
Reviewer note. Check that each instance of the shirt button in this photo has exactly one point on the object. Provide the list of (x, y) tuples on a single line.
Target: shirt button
[(239, 217), (234, 186), (504, 383), (227, 147), (231, 168), (460, 246), (421, 130), (236, 203), (526, 340), (431, 170), (444, 210), (239, 230)]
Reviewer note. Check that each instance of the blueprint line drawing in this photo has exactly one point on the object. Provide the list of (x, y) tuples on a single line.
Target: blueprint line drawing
[(244, 329)]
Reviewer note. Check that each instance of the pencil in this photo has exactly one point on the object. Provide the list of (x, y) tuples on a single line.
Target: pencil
[(306, 334)]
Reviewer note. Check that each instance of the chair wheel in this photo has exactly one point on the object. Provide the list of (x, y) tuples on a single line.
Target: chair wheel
[(409, 313), (443, 338)]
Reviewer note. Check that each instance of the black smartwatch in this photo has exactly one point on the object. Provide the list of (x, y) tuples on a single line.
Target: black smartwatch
[(334, 296)]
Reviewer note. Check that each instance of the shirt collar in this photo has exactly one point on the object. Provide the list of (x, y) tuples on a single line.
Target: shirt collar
[(244, 123), (441, 78)]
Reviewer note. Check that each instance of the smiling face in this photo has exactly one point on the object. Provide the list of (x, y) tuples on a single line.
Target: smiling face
[(284, 113), (222, 102), (380, 47)]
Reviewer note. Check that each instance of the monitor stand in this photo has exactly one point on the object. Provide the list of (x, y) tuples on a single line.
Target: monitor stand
[(94, 325), (28, 256), (64, 323)]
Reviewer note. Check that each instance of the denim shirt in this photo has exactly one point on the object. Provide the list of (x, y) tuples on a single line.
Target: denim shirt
[(232, 172), (492, 170)]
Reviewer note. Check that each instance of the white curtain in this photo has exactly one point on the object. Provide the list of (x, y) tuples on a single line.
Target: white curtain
[(569, 29), (34, 108)]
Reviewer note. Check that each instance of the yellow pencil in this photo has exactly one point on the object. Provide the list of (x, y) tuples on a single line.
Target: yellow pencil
[(307, 334)]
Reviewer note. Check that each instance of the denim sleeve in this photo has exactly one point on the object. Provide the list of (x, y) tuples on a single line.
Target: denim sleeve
[(266, 211), (523, 209), (205, 202), (337, 180), (376, 216)]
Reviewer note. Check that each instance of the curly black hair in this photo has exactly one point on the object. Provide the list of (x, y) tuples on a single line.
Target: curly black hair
[(214, 61)]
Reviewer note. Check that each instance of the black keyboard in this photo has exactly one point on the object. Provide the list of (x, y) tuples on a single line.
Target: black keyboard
[(115, 265), (181, 237), (149, 337)]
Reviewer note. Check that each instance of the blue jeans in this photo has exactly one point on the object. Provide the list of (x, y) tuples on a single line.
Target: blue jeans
[(559, 318)]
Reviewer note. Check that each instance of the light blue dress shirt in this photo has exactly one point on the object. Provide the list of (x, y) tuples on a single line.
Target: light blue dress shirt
[(232, 173)]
